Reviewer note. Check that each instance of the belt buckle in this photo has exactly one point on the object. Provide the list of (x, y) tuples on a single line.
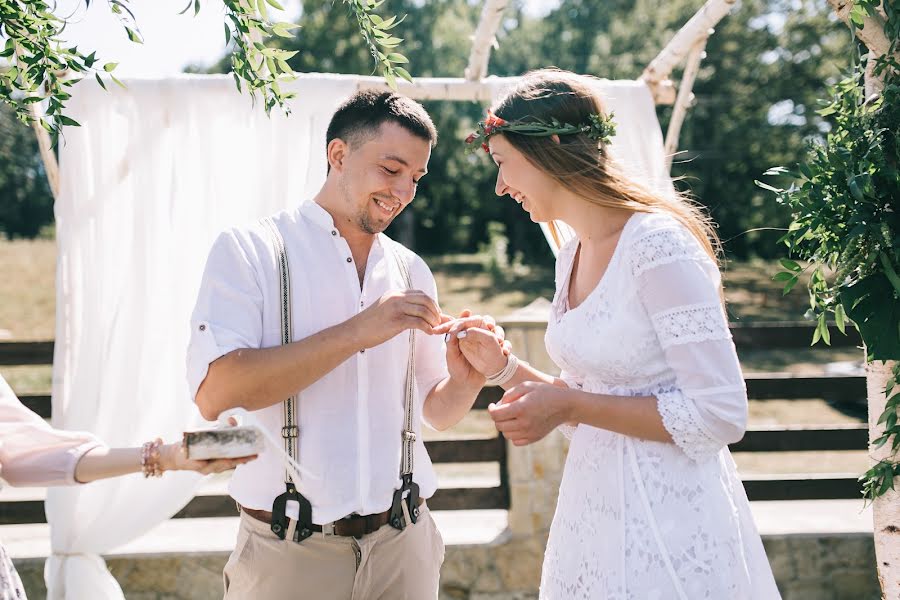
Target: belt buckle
[(328, 529)]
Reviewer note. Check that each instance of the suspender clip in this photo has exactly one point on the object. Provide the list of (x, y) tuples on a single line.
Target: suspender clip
[(280, 520), (411, 489)]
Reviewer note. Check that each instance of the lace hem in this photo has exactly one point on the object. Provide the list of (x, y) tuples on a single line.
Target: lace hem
[(680, 418), (691, 323)]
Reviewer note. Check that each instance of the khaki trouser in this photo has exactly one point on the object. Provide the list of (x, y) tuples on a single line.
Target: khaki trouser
[(385, 565)]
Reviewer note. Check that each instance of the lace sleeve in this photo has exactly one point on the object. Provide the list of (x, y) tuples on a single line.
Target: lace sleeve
[(678, 285)]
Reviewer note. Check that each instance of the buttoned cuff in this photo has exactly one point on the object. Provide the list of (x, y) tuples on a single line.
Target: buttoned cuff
[(203, 349)]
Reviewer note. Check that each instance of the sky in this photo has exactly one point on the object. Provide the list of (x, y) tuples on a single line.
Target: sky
[(171, 41)]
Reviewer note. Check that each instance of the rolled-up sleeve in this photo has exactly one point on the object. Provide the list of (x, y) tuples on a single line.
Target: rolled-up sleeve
[(228, 312), (678, 286), (32, 453)]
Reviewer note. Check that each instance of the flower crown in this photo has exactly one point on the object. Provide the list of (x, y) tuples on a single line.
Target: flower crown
[(597, 127)]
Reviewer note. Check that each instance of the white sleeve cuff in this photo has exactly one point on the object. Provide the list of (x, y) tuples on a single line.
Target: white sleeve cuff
[(684, 424)]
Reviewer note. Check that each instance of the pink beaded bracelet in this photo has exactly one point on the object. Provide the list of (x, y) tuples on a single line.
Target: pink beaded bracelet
[(150, 466)]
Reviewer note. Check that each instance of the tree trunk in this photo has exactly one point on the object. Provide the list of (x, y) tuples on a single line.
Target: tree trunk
[(886, 507)]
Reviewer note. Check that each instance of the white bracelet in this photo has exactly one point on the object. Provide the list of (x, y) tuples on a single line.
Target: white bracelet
[(506, 373)]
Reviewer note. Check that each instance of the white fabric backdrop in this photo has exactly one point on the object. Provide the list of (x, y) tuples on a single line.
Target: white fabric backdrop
[(153, 174), (638, 144)]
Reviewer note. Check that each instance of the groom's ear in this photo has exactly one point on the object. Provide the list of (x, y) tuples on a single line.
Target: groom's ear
[(336, 153)]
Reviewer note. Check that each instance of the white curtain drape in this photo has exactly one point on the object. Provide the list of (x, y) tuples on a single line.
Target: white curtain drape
[(153, 174), (638, 144)]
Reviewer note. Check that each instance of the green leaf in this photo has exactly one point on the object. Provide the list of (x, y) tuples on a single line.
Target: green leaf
[(133, 36), (67, 121), (397, 58), (283, 30), (870, 304), (119, 83), (783, 276), (840, 318), (790, 265), (823, 325), (403, 73), (854, 189), (263, 11), (789, 286), (385, 24), (110, 67), (99, 80), (285, 68), (227, 34), (275, 4), (391, 80)]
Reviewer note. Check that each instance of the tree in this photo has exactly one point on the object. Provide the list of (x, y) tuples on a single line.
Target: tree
[(26, 204), (845, 203), (37, 61)]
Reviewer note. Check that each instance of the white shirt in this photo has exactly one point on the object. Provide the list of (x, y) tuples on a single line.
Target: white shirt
[(351, 419)]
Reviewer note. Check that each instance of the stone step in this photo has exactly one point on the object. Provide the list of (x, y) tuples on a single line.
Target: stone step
[(467, 527)]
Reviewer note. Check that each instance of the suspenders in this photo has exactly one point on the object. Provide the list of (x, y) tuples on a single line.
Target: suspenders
[(408, 487), (290, 432)]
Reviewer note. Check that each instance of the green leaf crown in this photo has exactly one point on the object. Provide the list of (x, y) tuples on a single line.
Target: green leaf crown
[(597, 127)]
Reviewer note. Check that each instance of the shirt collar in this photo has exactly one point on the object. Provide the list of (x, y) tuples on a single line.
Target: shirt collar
[(318, 215)]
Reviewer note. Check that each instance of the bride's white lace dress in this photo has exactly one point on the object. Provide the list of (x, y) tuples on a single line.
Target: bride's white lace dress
[(648, 520)]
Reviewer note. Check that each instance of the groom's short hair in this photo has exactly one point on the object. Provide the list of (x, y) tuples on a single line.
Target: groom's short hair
[(362, 114)]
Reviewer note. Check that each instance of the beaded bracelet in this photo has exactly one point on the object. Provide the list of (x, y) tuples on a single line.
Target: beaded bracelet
[(506, 373), (150, 466)]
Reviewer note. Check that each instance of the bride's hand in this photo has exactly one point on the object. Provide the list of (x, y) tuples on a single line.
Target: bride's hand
[(531, 410), (172, 458), (485, 352), (479, 349)]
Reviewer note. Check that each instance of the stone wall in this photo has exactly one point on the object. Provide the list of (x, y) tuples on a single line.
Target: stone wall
[(806, 567)]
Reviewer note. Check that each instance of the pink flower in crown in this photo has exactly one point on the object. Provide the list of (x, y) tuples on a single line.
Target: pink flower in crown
[(471, 138), (492, 122)]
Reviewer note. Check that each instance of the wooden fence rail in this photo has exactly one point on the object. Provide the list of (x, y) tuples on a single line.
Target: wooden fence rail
[(764, 386)]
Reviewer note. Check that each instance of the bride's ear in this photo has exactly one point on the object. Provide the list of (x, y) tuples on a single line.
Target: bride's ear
[(555, 138)]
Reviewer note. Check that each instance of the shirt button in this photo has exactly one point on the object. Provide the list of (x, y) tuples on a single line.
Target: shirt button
[(349, 260), (203, 328), (333, 232), (363, 351)]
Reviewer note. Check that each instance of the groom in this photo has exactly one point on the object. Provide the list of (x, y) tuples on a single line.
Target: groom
[(359, 529)]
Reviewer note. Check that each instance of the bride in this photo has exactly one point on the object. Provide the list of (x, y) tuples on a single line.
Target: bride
[(651, 393)]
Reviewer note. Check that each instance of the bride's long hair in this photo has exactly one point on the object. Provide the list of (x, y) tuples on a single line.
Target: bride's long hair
[(579, 163)]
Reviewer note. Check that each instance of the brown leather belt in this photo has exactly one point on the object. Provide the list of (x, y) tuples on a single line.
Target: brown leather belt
[(353, 526)]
